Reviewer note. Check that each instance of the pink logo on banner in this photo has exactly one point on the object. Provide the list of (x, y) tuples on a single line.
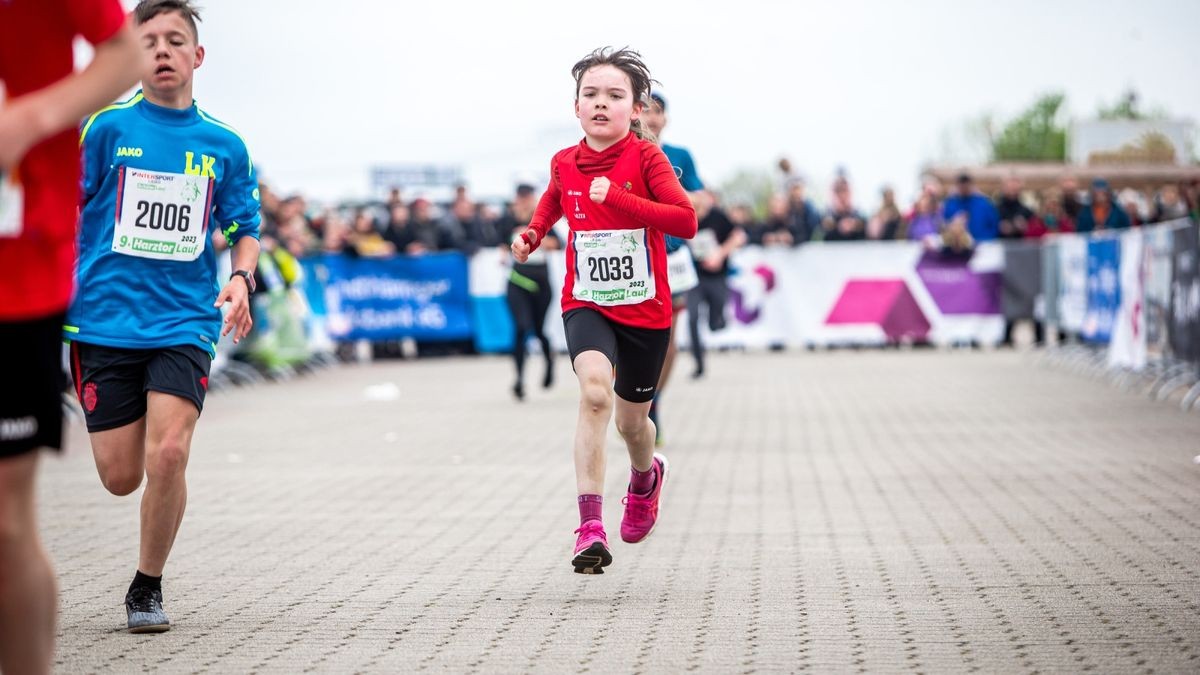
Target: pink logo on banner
[(886, 303)]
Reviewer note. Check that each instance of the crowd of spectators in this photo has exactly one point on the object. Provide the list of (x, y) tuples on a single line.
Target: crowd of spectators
[(952, 217), (394, 226), (960, 215)]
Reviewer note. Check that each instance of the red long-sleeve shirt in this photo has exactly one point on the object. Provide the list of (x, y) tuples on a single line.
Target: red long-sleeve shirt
[(665, 210), (669, 210)]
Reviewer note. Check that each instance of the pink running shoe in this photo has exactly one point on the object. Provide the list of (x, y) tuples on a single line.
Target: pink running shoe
[(591, 549), (641, 511)]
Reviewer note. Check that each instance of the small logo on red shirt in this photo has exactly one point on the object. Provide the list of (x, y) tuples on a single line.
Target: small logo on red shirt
[(204, 383), (89, 397)]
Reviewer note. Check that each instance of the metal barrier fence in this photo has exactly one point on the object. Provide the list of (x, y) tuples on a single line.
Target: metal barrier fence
[(1128, 304)]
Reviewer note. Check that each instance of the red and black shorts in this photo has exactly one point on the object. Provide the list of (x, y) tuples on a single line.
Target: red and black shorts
[(112, 382), (637, 354), (31, 385)]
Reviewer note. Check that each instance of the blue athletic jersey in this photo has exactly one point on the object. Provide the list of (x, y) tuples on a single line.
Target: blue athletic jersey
[(685, 170), (144, 303), (685, 167)]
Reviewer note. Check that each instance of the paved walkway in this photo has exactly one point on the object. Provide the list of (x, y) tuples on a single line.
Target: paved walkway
[(874, 511)]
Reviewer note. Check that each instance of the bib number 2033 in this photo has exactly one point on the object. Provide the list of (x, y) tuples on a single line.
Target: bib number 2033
[(162, 215), (613, 267)]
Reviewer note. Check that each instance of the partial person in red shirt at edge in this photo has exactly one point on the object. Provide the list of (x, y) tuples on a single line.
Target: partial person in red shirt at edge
[(43, 101), (620, 196)]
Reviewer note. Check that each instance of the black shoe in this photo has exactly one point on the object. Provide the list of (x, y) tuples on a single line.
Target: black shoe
[(548, 380), (698, 373), (145, 611), (519, 391)]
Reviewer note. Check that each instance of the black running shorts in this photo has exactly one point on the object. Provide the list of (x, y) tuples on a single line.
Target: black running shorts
[(112, 383), (636, 353), (31, 385)]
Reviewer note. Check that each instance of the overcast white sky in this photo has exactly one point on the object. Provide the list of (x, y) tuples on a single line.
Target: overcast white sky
[(323, 90)]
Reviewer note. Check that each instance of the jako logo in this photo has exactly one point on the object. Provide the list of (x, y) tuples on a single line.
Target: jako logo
[(18, 428), (129, 152)]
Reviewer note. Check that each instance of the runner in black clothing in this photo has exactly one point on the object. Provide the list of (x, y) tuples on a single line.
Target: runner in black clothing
[(716, 238), (528, 288)]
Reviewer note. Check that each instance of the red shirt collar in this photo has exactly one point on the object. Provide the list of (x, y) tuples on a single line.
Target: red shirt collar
[(598, 161)]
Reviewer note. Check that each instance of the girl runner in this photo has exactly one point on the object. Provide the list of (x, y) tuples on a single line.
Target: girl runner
[(620, 196)]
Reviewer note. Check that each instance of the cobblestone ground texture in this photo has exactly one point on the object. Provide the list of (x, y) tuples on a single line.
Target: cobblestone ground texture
[(828, 512)]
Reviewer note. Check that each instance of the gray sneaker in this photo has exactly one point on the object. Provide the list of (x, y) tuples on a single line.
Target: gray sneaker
[(145, 610)]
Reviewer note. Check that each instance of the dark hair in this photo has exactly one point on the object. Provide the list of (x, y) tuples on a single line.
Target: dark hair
[(627, 61), (148, 9)]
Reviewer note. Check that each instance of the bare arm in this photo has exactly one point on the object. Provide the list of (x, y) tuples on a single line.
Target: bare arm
[(237, 290), (245, 254)]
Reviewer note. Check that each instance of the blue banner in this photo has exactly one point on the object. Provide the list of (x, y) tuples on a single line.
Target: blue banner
[(315, 276), (423, 297), (494, 325), (1103, 289)]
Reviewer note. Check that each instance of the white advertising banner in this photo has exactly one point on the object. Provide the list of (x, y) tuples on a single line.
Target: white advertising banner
[(1127, 349), (1072, 281), (860, 293)]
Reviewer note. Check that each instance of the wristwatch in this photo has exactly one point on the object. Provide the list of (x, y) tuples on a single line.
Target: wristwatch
[(247, 276)]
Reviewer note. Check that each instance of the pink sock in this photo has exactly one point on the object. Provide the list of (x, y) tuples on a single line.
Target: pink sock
[(591, 507), (641, 482)]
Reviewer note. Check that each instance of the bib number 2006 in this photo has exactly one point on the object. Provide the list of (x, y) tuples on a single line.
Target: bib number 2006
[(166, 217), (161, 215), (611, 268)]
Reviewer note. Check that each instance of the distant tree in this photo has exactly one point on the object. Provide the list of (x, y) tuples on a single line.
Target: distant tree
[(1127, 108), (1036, 135)]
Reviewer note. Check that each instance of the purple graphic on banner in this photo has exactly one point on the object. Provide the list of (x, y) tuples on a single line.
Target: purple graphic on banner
[(956, 288), (747, 309), (885, 302)]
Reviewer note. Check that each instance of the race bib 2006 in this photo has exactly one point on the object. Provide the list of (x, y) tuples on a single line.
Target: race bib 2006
[(612, 267), (162, 215)]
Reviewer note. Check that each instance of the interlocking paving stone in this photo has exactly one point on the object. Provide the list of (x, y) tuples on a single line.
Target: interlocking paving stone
[(829, 512)]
